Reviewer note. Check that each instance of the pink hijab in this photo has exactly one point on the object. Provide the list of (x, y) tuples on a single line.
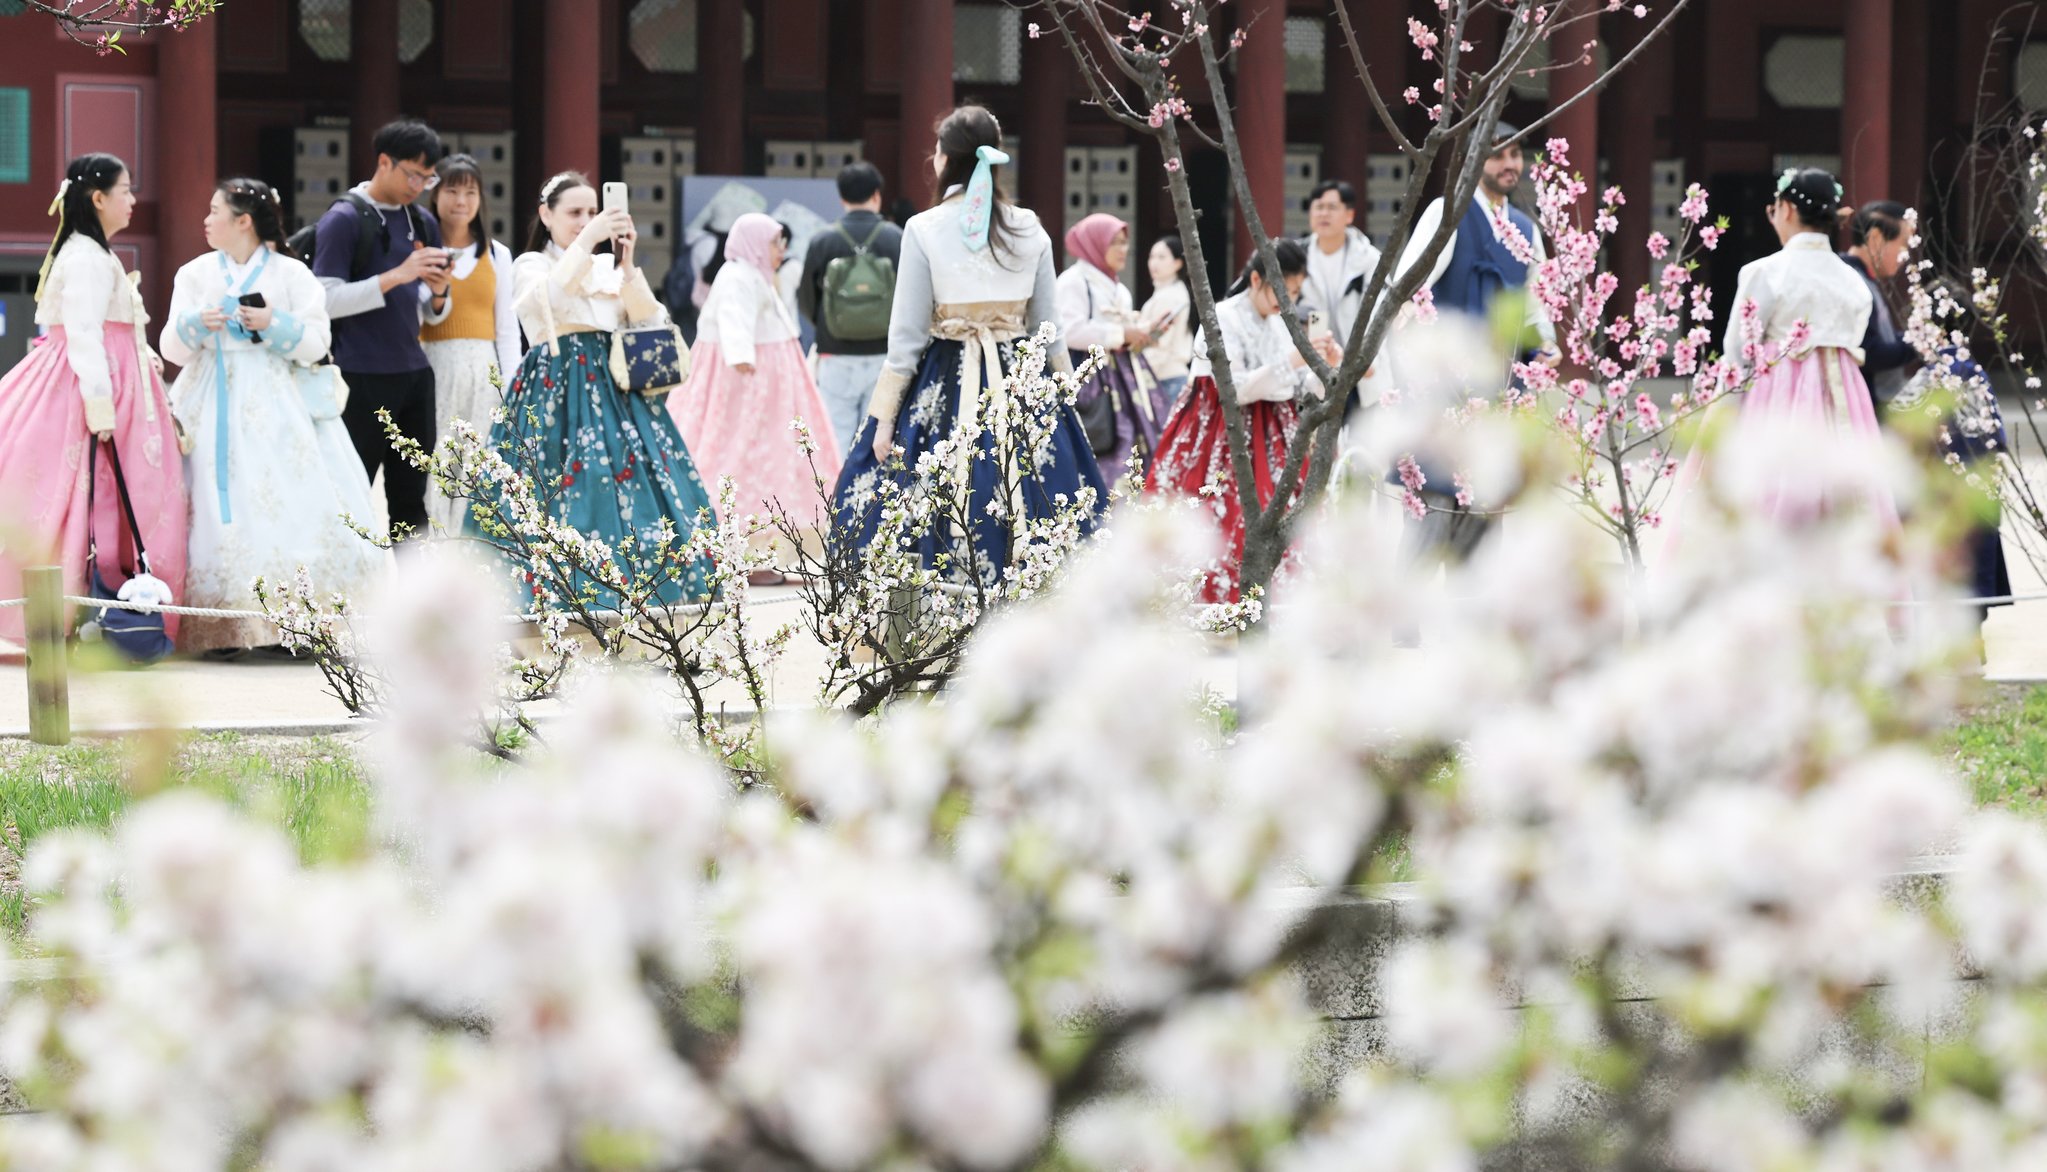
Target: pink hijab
[(1089, 240), (752, 237)]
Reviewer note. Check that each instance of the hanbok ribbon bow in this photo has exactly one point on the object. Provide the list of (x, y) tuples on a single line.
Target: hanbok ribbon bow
[(231, 307), (979, 205), (980, 336)]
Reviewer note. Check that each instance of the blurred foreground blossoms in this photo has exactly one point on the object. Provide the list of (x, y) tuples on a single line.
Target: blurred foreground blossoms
[(1060, 919)]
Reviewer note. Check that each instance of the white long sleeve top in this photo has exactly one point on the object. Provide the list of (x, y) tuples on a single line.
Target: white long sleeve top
[(1261, 354), (1094, 308), (742, 312), (299, 331), (1169, 356), (1535, 318), (86, 289), (1803, 282), (585, 291), (1336, 281), (504, 318)]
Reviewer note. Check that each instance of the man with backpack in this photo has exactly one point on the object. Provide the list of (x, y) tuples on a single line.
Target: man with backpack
[(847, 289), (379, 256)]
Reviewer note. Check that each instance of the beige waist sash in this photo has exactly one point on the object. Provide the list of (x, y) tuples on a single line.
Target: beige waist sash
[(980, 327)]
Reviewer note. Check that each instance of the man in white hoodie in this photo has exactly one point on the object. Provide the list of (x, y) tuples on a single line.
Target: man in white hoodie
[(1341, 260), (380, 258)]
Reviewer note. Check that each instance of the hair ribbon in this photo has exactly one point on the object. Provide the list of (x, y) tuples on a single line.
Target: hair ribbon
[(980, 200), (57, 210)]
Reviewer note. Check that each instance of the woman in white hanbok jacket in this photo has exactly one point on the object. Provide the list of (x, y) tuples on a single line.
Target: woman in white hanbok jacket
[(276, 485)]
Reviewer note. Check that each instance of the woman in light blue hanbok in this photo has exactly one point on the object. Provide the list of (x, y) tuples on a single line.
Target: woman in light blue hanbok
[(275, 483)]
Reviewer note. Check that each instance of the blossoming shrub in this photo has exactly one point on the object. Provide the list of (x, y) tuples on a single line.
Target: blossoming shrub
[(1057, 920)]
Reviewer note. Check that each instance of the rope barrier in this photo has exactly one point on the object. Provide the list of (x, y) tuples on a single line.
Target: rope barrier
[(210, 612)]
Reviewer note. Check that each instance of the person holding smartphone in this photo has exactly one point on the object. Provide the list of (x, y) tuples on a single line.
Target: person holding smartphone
[(1168, 316), (270, 483), (379, 256), (611, 463)]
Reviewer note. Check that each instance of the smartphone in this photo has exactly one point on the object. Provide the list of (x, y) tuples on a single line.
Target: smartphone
[(1317, 328), (255, 300), (614, 197)]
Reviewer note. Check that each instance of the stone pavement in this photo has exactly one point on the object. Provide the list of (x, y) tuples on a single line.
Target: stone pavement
[(280, 696)]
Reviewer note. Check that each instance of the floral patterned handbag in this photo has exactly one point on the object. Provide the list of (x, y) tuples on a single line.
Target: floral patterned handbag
[(649, 359)]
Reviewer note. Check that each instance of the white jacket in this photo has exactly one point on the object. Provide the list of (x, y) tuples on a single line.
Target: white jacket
[(743, 311)]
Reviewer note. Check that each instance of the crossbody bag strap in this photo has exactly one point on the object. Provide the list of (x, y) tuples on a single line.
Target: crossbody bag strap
[(128, 508)]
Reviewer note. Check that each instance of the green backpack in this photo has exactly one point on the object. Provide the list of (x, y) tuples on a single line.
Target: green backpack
[(859, 290)]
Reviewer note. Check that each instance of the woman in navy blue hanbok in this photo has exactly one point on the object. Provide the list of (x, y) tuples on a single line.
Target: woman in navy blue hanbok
[(975, 278)]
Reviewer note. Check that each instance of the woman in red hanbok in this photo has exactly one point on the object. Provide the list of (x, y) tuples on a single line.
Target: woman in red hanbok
[(1270, 377)]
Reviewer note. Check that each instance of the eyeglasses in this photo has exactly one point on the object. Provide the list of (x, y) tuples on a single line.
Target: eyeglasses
[(424, 181)]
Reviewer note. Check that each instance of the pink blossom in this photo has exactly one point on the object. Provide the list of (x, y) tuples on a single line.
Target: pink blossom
[(1411, 474), (1694, 207), (1173, 164), (1414, 506), (1646, 412), (1139, 23), (1463, 490), (1034, 30), (1238, 38), (1412, 94), (1801, 336), (1423, 38), (1710, 237), (1613, 197), (1659, 244)]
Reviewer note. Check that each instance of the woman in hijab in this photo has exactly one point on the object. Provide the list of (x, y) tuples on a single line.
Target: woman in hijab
[(749, 388), (1122, 406)]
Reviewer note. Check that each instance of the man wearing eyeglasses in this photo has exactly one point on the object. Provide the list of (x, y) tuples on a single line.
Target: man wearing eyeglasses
[(379, 256)]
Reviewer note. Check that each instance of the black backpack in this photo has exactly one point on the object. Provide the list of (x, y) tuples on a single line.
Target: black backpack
[(369, 221)]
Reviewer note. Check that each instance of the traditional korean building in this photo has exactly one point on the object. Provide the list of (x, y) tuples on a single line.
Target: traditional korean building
[(648, 90)]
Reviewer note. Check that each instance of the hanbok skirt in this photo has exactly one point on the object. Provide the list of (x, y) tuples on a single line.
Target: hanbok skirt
[(740, 425), (1139, 404), (43, 459), (271, 488), (607, 462), (1822, 388), (927, 416), (1194, 461), (462, 390)]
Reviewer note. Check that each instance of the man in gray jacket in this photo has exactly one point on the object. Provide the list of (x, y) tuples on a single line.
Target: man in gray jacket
[(847, 368)]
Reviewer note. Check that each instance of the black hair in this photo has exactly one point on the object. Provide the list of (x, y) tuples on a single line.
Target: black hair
[(1816, 194), (717, 260), (407, 141), (551, 193), (859, 182), (86, 175), (1886, 216), (255, 199), (961, 134), (1344, 191), (1292, 258), (460, 170)]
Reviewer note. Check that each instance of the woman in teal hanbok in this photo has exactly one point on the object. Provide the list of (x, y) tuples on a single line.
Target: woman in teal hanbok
[(619, 464)]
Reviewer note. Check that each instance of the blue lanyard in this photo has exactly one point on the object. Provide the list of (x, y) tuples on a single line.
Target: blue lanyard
[(230, 305)]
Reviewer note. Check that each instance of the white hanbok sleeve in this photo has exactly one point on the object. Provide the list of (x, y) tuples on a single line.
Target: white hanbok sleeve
[(909, 328), (1044, 307), (1425, 226), (1080, 314), (735, 304), (88, 289), (533, 281), (503, 314), (1256, 381), (301, 331), (1752, 287), (183, 335)]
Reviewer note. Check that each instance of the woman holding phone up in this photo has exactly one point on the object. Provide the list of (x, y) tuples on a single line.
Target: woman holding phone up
[(606, 461), (273, 488)]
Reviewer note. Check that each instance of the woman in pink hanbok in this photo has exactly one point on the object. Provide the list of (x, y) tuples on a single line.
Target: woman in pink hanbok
[(1798, 323), (90, 380), (748, 383)]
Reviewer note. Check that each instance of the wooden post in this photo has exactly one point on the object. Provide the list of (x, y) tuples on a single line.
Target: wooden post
[(49, 691)]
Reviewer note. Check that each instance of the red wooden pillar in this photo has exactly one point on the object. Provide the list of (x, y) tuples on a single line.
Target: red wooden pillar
[(1349, 121), (574, 61), (373, 61), (1866, 101), (1577, 66), (1631, 103), (721, 77), (1261, 115), (927, 92), (186, 116), (1041, 164)]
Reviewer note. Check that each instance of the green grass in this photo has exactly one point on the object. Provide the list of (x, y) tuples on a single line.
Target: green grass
[(2000, 748), (313, 788)]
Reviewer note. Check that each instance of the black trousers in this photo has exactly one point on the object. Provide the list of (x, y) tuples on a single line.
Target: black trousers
[(409, 397)]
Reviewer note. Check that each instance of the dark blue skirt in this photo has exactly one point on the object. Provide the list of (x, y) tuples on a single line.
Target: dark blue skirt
[(929, 410)]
